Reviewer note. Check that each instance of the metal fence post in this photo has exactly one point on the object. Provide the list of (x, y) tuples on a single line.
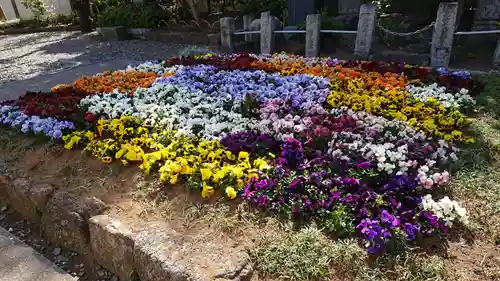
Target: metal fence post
[(266, 33), (226, 33), (366, 26), (313, 25), (247, 22), (442, 37)]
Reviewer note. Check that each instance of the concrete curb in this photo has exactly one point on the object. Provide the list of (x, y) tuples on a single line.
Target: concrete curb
[(153, 252)]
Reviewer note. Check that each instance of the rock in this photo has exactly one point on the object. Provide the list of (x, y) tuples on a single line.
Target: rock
[(65, 220), (40, 194), (63, 259), (10, 229), (18, 195), (92, 206), (112, 246), (56, 251), (160, 254)]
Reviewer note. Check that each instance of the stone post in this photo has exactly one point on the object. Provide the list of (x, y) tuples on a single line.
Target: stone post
[(366, 26), (442, 38), (266, 33), (496, 55), (247, 22), (313, 25), (226, 33), (348, 6)]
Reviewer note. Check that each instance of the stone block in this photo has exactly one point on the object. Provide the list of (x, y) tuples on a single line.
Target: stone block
[(161, 254), (39, 194), (115, 33), (18, 196), (112, 246), (65, 220)]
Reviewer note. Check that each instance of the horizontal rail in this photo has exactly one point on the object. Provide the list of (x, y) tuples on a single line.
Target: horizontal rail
[(477, 32), (338, 31), (297, 32), (289, 31), (246, 32)]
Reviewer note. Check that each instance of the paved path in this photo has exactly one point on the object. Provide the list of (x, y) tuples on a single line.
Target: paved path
[(19, 262), (14, 89)]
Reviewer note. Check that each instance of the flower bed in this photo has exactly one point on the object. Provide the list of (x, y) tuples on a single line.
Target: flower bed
[(359, 147)]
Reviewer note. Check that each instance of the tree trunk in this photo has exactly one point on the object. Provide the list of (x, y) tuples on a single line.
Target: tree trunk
[(83, 10), (194, 11), (14, 6)]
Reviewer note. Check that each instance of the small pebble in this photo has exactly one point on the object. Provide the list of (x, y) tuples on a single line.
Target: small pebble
[(10, 229), (56, 252)]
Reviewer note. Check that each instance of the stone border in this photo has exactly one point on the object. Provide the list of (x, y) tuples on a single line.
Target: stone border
[(24, 30), (183, 37), (155, 252)]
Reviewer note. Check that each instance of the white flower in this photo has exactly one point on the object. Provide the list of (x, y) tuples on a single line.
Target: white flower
[(445, 209)]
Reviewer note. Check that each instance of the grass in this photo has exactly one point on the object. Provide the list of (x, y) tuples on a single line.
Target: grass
[(309, 255)]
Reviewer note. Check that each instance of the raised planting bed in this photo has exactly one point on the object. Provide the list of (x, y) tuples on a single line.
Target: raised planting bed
[(202, 163), (113, 33)]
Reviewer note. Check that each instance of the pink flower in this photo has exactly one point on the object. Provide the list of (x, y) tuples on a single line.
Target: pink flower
[(427, 183)]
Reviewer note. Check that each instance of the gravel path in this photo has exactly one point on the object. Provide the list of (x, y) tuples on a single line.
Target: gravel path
[(29, 55)]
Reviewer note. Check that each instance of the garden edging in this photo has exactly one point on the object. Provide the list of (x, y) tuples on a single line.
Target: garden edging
[(154, 252)]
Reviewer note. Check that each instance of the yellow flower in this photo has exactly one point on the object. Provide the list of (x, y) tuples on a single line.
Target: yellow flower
[(106, 160), (230, 155), (207, 191), (237, 172), (230, 192), (261, 164), (243, 156), (205, 174), (218, 176), (174, 179)]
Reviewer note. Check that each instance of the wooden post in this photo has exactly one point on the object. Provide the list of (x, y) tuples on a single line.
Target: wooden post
[(442, 38), (226, 33), (247, 22), (266, 33), (313, 25), (366, 26)]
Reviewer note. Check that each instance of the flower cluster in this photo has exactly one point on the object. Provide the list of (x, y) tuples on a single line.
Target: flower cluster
[(302, 91), (61, 103), (122, 81), (445, 209), (358, 146), (435, 93), (49, 127), (201, 163)]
